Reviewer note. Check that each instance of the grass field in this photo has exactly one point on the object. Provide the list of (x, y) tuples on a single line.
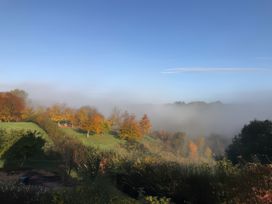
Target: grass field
[(28, 126), (22, 126), (103, 141)]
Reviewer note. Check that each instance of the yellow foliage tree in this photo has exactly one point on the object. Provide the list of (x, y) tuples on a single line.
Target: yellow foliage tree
[(130, 128), (145, 125), (11, 107), (96, 123), (55, 113), (193, 150), (68, 115), (208, 153), (115, 119), (88, 119)]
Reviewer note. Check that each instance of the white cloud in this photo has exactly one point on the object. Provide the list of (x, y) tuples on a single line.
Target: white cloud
[(214, 69)]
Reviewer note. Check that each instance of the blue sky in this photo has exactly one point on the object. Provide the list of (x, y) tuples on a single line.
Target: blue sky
[(217, 49)]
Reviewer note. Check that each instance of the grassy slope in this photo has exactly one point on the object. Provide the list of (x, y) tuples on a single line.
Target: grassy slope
[(101, 141), (104, 141), (22, 126), (28, 126)]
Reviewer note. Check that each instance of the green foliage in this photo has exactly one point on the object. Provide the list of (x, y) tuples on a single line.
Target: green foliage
[(178, 146), (13, 129), (24, 144), (253, 143), (30, 145), (167, 179), (102, 141), (251, 183), (156, 200), (23, 149), (135, 169), (99, 193), (14, 193)]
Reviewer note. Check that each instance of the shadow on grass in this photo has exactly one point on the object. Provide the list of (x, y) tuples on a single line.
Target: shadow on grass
[(28, 152)]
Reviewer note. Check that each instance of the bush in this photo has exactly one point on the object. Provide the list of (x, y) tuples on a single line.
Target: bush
[(13, 193), (191, 183), (253, 143), (251, 183), (156, 200)]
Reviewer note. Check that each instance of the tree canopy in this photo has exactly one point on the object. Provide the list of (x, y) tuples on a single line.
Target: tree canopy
[(253, 143), (12, 106)]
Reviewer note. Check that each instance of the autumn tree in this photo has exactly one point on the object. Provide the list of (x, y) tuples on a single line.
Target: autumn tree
[(28, 113), (208, 153), (130, 128), (145, 125), (11, 107), (55, 113), (89, 119), (107, 125), (20, 93), (201, 144), (193, 150), (178, 144), (82, 118), (69, 115), (115, 119), (96, 123)]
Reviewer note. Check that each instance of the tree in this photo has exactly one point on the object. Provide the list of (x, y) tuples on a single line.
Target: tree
[(208, 153), (130, 129), (82, 118), (69, 115), (12, 107), (254, 140), (20, 93), (218, 144), (90, 120), (55, 113), (193, 152), (96, 123), (115, 120), (178, 143), (200, 142), (145, 125)]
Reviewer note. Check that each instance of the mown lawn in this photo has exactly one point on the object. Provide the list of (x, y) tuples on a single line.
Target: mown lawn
[(26, 126), (22, 126), (103, 141)]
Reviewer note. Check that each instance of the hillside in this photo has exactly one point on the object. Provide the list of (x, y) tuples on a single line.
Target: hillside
[(16, 139), (22, 126), (103, 141)]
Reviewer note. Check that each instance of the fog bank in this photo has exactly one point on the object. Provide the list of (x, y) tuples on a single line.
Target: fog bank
[(196, 119)]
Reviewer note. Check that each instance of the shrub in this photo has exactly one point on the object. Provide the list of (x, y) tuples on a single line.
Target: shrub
[(13, 193)]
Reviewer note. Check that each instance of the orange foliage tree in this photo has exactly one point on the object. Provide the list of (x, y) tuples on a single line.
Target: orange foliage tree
[(145, 125), (55, 113), (115, 120), (69, 115), (96, 123), (11, 107), (130, 128), (193, 150), (89, 119), (208, 153)]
